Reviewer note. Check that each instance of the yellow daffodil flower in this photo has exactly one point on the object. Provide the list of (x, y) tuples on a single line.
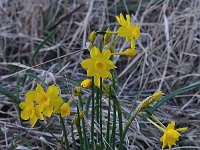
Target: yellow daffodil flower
[(127, 30), (65, 109), (99, 64), (86, 83), (171, 135), (50, 100), (29, 111)]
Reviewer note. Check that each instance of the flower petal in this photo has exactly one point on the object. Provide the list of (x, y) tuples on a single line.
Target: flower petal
[(91, 71), (87, 63), (110, 65), (39, 88), (171, 125), (31, 96), (47, 111), (94, 52), (33, 120), (65, 110), (52, 91), (182, 129), (24, 115), (106, 54)]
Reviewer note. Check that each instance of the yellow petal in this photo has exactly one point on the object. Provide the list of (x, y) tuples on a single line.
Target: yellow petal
[(25, 104), (33, 120), (65, 110), (171, 125), (39, 88), (91, 71), (87, 63), (122, 20), (118, 19), (110, 65), (38, 112), (47, 111), (94, 52), (109, 75), (106, 54), (182, 129), (128, 18), (53, 91), (31, 95), (24, 115)]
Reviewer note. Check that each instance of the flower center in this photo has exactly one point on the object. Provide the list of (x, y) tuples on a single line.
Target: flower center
[(99, 65), (172, 135)]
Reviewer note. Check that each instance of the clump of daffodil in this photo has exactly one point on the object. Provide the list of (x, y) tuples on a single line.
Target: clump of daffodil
[(98, 65), (86, 83), (39, 103), (171, 135)]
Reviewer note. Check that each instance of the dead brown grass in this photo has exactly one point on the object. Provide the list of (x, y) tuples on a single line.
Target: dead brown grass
[(169, 58)]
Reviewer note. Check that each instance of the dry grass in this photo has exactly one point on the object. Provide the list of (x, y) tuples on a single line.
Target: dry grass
[(169, 58)]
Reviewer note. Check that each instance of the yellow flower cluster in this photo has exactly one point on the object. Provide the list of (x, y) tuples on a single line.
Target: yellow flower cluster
[(171, 135), (100, 63), (130, 32), (39, 103)]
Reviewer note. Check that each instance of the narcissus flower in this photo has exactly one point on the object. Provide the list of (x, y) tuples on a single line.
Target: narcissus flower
[(127, 30), (171, 135), (50, 100), (39, 103), (29, 111), (99, 64), (86, 83), (65, 109)]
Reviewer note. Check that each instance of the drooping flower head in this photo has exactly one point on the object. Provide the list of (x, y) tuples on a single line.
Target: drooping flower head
[(99, 64), (171, 135)]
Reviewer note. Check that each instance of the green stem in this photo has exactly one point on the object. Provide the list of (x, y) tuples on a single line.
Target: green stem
[(92, 122), (114, 126), (65, 133), (78, 126), (83, 125), (97, 111), (108, 122), (100, 101), (73, 139)]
